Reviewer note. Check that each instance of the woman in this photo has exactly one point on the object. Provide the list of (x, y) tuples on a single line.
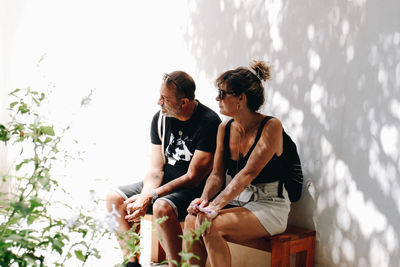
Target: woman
[(244, 186)]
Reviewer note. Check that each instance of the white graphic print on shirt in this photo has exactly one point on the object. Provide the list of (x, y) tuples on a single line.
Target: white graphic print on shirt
[(177, 149)]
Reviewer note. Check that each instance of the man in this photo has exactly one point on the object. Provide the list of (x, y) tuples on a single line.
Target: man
[(183, 146)]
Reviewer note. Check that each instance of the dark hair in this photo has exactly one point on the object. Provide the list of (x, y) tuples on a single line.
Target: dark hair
[(183, 82), (243, 80)]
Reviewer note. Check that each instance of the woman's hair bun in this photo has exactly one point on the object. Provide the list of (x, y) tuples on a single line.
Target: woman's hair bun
[(261, 69)]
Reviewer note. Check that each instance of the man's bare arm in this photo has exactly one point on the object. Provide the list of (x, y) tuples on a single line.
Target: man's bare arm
[(155, 175), (200, 166), (138, 204)]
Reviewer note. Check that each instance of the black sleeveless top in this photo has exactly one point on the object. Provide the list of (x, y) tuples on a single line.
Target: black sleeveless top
[(272, 171)]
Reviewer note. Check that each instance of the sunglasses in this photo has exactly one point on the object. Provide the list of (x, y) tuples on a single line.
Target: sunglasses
[(223, 93), (168, 79)]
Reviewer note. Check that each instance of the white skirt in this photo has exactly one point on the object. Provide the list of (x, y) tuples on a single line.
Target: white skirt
[(263, 201)]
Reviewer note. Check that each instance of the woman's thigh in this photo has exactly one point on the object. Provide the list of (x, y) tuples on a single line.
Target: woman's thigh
[(238, 225)]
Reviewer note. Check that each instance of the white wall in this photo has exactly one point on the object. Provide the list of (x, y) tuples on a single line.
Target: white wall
[(4, 186), (336, 88)]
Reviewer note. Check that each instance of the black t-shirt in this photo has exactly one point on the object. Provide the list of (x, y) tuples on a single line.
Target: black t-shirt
[(182, 138)]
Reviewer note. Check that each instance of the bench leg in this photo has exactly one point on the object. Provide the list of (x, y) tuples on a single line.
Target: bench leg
[(301, 259), (306, 258), (280, 252), (157, 252), (311, 252)]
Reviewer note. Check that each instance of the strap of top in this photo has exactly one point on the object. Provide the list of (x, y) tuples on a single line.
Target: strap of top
[(260, 129), (227, 152)]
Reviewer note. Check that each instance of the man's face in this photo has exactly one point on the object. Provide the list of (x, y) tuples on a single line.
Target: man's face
[(170, 104)]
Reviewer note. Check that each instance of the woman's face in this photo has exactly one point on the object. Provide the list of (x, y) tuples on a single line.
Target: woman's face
[(228, 101)]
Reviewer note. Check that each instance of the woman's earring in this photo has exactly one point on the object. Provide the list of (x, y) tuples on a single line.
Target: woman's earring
[(238, 106)]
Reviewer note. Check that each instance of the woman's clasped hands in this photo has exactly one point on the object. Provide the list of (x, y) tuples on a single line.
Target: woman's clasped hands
[(203, 210)]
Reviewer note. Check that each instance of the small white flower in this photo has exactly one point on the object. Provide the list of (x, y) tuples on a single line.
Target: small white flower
[(110, 220), (73, 221), (115, 212), (40, 118), (92, 195)]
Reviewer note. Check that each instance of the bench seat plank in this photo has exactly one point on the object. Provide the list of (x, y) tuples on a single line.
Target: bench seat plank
[(295, 240)]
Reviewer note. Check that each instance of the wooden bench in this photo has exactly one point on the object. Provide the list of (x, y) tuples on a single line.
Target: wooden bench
[(295, 240)]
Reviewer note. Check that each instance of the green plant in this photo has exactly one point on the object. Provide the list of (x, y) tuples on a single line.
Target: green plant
[(132, 239), (189, 238), (31, 233)]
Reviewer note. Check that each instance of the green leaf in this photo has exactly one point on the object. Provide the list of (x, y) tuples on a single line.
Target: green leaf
[(31, 219), (45, 182), (15, 91), (4, 134), (83, 232), (19, 127), (13, 220), (15, 237), (42, 95), (57, 245), (186, 256), (35, 202), (17, 167), (79, 255), (13, 104), (47, 130), (96, 253), (23, 108), (21, 207)]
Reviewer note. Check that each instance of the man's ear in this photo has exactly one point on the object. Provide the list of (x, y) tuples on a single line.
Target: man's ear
[(184, 101)]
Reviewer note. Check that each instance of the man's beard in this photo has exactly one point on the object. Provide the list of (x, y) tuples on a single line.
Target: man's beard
[(171, 113)]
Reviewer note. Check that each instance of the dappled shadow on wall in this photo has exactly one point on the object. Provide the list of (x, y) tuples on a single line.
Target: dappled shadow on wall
[(335, 87)]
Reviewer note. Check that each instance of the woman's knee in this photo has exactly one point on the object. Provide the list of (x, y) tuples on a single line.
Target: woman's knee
[(190, 222), (219, 226)]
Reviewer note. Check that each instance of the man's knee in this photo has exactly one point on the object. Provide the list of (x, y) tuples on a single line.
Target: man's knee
[(162, 208), (113, 198)]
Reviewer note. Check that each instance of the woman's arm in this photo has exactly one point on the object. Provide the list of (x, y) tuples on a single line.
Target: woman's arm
[(270, 143), (216, 180)]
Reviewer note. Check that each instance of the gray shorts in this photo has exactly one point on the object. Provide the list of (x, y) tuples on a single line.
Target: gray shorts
[(271, 210), (179, 200)]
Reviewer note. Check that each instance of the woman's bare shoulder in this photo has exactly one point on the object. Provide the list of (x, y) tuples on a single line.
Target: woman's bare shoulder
[(273, 126)]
